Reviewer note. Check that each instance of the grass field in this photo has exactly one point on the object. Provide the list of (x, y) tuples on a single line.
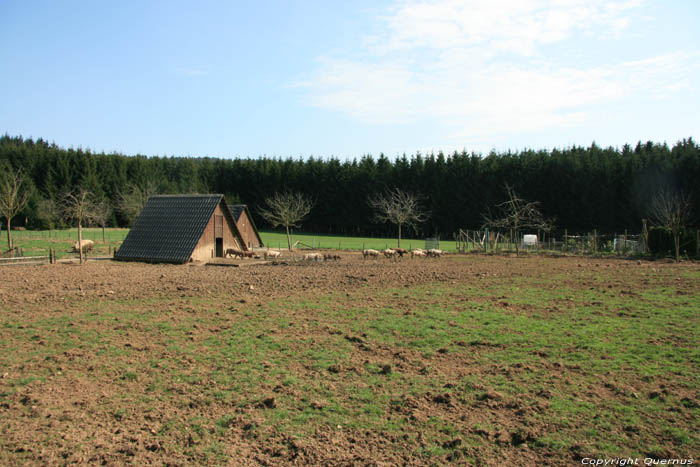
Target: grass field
[(473, 360), (279, 239), (37, 243)]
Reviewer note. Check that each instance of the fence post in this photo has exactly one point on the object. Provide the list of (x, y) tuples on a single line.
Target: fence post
[(566, 240), (595, 240), (697, 244)]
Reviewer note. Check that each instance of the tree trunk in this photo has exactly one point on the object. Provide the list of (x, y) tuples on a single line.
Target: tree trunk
[(399, 244), (677, 241), (80, 242), (9, 239), (289, 239)]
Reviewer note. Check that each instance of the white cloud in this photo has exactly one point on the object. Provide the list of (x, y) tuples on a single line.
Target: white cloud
[(511, 26), (481, 68)]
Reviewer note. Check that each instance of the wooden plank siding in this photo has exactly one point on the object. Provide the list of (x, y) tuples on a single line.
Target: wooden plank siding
[(248, 232), (206, 247)]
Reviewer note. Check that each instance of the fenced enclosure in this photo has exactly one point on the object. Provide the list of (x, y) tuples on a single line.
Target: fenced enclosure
[(432, 243), (89, 233), (59, 243), (42, 243), (25, 260), (586, 243)]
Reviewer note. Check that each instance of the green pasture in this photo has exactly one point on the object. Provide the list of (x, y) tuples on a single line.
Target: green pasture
[(310, 240), (38, 242)]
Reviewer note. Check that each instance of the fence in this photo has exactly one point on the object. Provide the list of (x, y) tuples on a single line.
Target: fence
[(25, 260), (432, 243), (59, 243), (586, 243), (89, 233)]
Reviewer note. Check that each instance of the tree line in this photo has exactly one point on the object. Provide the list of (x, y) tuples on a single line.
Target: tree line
[(579, 188)]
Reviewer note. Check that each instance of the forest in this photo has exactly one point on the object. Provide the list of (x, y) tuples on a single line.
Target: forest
[(580, 188)]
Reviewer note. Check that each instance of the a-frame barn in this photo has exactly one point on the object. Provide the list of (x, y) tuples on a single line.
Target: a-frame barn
[(246, 226), (181, 228)]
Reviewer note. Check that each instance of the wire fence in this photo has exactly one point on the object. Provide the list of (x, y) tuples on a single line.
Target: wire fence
[(89, 233), (59, 242), (587, 243)]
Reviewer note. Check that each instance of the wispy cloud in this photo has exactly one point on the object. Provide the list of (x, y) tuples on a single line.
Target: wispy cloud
[(482, 68), (511, 26)]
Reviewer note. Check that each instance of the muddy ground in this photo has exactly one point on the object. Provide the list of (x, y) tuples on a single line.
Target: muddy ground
[(112, 363)]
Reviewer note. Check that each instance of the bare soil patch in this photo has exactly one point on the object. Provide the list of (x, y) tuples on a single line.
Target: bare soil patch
[(462, 359)]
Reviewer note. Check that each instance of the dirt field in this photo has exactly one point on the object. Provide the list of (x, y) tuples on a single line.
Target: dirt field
[(473, 360)]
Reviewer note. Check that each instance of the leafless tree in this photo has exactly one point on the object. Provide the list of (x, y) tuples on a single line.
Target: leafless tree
[(286, 209), (14, 195), (132, 201), (79, 206), (515, 214), (671, 209), (103, 211), (399, 208)]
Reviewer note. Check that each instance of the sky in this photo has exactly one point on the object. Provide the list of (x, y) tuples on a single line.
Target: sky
[(348, 78)]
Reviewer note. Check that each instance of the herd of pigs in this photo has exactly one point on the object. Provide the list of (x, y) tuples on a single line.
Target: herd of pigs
[(275, 254), (369, 253)]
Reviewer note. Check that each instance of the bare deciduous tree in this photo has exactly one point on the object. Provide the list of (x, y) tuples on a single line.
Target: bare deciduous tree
[(288, 210), (134, 199), (399, 208), (516, 214), (80, 207), (14, 195), (671, 209)]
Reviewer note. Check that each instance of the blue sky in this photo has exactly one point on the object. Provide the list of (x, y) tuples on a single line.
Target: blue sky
[(348, 78)]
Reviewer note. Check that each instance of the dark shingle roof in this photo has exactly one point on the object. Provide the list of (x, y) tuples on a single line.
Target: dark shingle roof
[(168, 228), (237, 210)]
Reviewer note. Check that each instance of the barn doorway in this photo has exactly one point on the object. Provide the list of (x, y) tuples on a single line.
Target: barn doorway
[(219, 235)]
